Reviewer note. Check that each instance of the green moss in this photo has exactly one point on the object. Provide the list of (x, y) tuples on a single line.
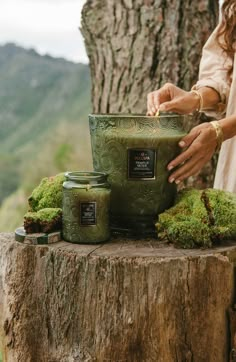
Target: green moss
[(187, 201), (189, 233), (47, 214), (48, 194), (45, 220), (31, 215), (199, 218), (224, 206)]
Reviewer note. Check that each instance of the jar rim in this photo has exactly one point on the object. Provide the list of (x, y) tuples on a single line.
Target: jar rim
[(86, 176), (139, 115)]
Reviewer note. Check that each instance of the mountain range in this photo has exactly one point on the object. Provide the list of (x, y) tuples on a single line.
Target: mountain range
[(44, 106)]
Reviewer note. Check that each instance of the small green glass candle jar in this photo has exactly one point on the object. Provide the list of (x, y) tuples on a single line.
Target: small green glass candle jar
[(85, 207)]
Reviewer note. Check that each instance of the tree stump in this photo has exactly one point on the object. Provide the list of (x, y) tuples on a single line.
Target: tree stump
[(126, 300)]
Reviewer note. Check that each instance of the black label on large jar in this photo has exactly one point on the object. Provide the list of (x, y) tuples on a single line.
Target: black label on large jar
[(88, 213), (141, 163)]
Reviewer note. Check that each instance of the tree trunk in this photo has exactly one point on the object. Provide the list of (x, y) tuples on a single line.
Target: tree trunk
[(126, 301), (135, 46)]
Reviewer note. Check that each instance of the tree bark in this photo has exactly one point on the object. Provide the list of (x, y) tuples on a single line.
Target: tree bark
[(136, 46), (129, 301)]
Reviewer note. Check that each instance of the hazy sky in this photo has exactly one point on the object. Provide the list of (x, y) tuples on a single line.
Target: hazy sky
[(49, 26)]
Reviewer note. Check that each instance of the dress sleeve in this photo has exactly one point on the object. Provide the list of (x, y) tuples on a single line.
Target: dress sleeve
[(213, 73)]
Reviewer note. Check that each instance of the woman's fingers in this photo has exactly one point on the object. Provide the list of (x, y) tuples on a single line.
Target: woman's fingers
[(172, 106), (151, 104), (191, 171), (190, 168), (189, 138), (199, 147), (171, 98), (188, 153), (182, 158), (183, 104), (156, 98)]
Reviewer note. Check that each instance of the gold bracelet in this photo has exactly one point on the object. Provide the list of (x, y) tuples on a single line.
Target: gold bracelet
[(219, 134), (199, 109)]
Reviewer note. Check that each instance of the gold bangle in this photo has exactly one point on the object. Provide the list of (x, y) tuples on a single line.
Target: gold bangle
[(199, 109), (219, 134)]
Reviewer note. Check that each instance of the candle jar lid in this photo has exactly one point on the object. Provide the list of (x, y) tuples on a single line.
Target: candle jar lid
[(83, 179)]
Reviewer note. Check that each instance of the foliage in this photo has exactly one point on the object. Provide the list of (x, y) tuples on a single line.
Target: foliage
[(37, 93), (12, 210), (44, 106), (9, 175), (63, 155)]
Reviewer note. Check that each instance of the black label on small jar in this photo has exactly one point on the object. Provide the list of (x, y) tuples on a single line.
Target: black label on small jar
[(88, 213), (141, 164)]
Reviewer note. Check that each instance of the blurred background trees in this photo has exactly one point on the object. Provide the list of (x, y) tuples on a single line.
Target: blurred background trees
[(44, 106)]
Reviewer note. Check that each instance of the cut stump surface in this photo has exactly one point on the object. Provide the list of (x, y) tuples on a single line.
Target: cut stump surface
[(127, 300)]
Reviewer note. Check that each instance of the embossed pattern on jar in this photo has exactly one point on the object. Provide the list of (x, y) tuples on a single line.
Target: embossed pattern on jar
[(134, 150)]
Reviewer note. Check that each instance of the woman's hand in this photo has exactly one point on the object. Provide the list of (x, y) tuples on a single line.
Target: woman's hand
[(170, 98), (198, 148)]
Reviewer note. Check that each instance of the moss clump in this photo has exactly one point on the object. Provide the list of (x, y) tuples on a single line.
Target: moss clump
[(45, 202), (47, 214), (199, 218), (48, 194), (45, 220)]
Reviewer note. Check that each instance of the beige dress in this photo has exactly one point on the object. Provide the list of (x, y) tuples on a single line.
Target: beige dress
[(213, 73)]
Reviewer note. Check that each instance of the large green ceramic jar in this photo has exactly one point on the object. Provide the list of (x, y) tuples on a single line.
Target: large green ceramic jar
[(85, 207), (134, 150)]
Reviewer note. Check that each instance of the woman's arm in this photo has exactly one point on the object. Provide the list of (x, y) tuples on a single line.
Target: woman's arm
[(214, 84), (228, 126), (198, 148), (213, 87)]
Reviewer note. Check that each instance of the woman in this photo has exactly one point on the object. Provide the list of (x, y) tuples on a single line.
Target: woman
[(215, 95)]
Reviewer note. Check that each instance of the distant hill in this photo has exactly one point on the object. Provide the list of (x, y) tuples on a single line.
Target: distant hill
[(37, 92), (44, 106)]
